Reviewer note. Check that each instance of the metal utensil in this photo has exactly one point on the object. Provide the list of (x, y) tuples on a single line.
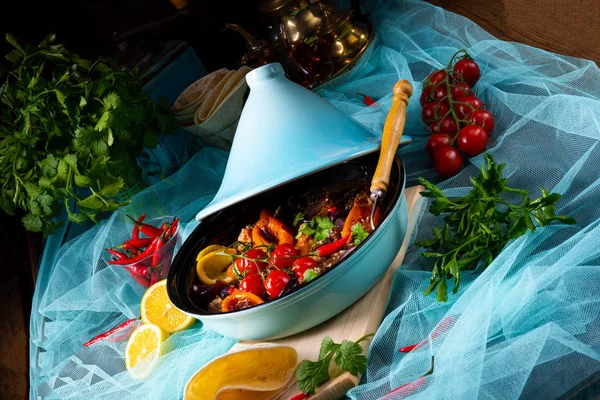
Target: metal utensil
[(392, 133)]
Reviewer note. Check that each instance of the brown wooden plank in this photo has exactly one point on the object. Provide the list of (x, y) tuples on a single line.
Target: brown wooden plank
[(568, 27)]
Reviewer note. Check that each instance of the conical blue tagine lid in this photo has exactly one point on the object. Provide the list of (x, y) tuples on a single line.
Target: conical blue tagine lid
[(285, 132)]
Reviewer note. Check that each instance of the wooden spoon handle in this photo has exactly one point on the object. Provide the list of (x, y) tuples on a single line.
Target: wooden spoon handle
[(392, 133)]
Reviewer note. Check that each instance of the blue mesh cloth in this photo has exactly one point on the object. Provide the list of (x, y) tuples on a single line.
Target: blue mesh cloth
[(526, 327)]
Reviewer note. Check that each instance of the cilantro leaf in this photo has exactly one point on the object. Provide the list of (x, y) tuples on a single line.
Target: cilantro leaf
[(318, 227), (358, 233), (32, 222), (298, 218), (327, 346), (311, 374), (350, 358)]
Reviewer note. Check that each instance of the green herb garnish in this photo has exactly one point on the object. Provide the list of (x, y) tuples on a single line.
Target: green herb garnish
[(318, 227), (347, 355), (299, 217), (358, 233), (479, 225), (309, 275), (71, 132)]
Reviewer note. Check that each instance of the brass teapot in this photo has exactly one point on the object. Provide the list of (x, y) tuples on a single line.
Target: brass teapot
[(311, 39)]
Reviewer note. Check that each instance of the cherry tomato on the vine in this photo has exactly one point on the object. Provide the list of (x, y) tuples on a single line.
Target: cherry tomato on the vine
[(435, 77), (275, 283), (472, 140), (243, 265), (464, 106), (283, 256), (436, 142), (253, 283), (439, 94), (468, 70), (459, 90), (433, 112), (484, 119), (447, 162), (446, 125), (425, 95)]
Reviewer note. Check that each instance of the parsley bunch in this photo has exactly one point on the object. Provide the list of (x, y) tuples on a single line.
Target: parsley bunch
[(71, 131), (479, 225), (347, 355)]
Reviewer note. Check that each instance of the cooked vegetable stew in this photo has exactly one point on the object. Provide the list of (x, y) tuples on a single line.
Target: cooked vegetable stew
[(283, 248)]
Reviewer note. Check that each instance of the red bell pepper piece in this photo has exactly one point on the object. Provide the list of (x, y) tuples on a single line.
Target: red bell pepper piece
[(330, 248)]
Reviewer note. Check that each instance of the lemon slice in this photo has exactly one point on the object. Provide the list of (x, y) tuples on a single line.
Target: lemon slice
[(143, 349), (213, 266), (209, 249), (156, 308), (254, 373)]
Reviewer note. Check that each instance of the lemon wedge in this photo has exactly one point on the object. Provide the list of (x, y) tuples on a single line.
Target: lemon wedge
[(209, 249), (156, 308), (213, 266), (143, 349), (255, 373)]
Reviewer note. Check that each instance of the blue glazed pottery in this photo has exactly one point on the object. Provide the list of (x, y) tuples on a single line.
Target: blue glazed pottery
[(285, 132), (288, 142)]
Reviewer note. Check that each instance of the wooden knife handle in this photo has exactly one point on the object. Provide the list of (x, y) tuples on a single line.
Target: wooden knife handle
[(392, 133)]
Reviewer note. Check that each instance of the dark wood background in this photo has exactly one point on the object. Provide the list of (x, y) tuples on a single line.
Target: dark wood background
[(568, 27)]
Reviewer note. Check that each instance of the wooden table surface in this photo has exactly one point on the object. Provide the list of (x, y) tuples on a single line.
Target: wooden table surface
[(569, 27)]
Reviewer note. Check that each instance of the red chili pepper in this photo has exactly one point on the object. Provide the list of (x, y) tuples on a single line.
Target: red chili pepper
[(412, 387), (147, 229), (142, 280), (106, 334), (136, 228), (331, 210), (118, 254), (155, 266), (442, 327), (368, 100), (137, 243), (330, 248), (300, 396), (139, 270), (132, 249), (135, 259)]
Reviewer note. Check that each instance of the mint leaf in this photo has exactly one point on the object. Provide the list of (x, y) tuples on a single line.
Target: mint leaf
[(359, 234)]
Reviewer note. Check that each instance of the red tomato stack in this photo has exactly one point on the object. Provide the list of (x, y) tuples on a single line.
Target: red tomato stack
[(456, 118)]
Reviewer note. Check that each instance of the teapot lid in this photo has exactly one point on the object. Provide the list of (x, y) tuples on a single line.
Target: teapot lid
[(285, 132)]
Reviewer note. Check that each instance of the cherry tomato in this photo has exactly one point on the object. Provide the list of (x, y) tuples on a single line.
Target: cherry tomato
[(302, 265), (466, 105), (472, 140), (283, 256), (253, 283), (433, 112), (459, 90), (276, 282), (468, 70), (439, 93), (484, 119), (436, 142), (435, 77), (244, 266), (447, 125), (447, 162), (425, 95)]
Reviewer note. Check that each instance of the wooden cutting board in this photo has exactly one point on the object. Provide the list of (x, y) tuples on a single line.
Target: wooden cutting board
[(362, 318)]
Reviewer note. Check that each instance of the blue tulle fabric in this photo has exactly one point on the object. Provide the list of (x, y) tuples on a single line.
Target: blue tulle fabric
[(526, 327)]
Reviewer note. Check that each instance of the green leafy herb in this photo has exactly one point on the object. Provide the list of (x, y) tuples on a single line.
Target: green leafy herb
[(309, 275), (71, 132), (358, 233), (299, 217), (347, 355), (479, 225), (318, 228)]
